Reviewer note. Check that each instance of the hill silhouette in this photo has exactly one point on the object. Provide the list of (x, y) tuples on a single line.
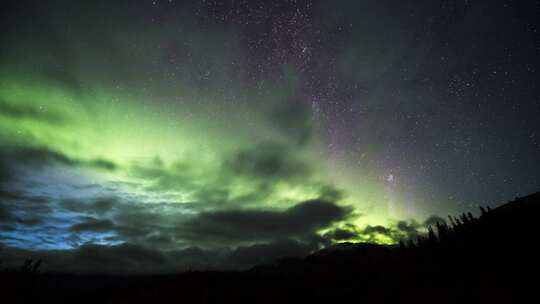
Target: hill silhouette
[(492, 258)]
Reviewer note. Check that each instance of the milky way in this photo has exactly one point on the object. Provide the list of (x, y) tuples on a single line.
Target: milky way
[(207, 131)]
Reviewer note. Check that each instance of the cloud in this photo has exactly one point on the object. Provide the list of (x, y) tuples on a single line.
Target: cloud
[(174, 224), (393, 232), (21, 207), (100, 163), (6, 216), (293, 118), (5, 171), (35, 156), (301, 220), (409, 228), (93, 225), (159, 238), (268, 160), (99, 205), (167, 177), (12, 157), (376, 229), (127, 221), (331, 193), (350, 232), (401, 230), (434, 220), (21, 111), (341, 234)]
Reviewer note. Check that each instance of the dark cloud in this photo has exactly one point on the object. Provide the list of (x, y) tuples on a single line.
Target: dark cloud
[(6, 216), (130, 221), (301, 220), (409, 228), (400, 230), (6, 170), (93, 225), (36, 156), (12, 194), (153, 223), (102, 164), (12, 157), (21, 207), (331, 193), (100, 205), (268, 160), (214, 195), (341, 234), (159, 238), (86, 186), (20, 111), (179, 175), (369, 233), (434, 220), (293, 118), (369, 230)]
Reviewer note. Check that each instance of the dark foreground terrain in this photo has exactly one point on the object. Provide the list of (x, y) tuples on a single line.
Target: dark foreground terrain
[(489, 259)]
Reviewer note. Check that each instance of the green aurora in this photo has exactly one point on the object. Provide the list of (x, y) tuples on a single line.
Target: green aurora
[(180, 154)]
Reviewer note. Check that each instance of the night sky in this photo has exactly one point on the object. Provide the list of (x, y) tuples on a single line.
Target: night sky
[(166, 135)]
